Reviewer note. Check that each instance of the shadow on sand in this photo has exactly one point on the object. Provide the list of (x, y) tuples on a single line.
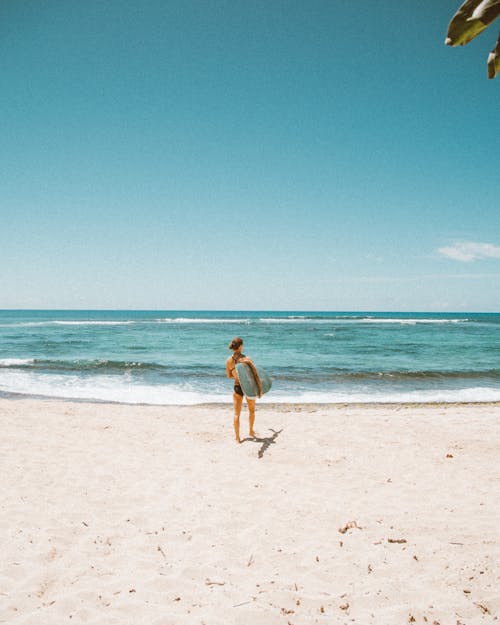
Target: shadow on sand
[(266, 441)]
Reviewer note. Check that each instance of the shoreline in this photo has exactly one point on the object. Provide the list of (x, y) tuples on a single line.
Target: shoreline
[(376, 514), (9, 396)]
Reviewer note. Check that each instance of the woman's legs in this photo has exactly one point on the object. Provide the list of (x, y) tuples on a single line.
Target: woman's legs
[(237, 402), (251, 415)]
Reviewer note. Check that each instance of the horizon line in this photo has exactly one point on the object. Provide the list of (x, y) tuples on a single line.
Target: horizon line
[(253, 310)]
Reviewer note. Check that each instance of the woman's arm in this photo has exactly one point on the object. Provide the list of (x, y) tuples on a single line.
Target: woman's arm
[(230, 368)]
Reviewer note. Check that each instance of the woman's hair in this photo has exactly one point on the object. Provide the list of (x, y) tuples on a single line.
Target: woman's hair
[(235, 343)]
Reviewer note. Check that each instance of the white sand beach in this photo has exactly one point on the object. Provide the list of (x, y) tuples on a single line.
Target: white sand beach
[(141, 515)]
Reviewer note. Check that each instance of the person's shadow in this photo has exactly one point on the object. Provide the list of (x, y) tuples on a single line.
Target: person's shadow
[(266, 441)]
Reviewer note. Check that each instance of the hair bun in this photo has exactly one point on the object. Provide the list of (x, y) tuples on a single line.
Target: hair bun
[(236, 342)]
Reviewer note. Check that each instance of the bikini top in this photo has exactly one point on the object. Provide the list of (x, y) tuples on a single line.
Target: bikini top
[(236, 359)]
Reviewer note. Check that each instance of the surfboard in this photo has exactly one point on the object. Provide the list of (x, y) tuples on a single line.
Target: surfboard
[(248, 383)]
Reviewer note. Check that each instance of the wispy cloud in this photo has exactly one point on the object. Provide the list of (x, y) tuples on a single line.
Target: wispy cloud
[(466, 251)]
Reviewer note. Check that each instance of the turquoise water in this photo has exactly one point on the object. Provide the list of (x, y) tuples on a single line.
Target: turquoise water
[(178, 357)]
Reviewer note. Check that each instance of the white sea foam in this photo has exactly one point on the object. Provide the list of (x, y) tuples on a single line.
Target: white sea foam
[(295, 320), (199, 320), (146, 321), (111, 388), (409, 321), (472, 395), (102, 388), (90, 323), (25, 324), (57, 322), (15, 362), (356, 320)]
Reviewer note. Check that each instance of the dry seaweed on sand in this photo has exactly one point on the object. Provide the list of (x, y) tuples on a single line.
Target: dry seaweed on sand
[(348, 526)]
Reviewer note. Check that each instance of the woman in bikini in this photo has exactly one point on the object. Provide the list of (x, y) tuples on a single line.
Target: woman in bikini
[(236, 346)]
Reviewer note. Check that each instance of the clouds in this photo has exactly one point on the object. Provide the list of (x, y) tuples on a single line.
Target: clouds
[(466, 251)]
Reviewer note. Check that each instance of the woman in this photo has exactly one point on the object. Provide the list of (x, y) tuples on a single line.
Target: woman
[(236, 346)]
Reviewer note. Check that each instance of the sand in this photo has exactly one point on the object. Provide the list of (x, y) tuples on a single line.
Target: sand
[(144, 515)]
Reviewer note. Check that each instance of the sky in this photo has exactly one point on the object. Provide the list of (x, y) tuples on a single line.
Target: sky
[(246, 155)]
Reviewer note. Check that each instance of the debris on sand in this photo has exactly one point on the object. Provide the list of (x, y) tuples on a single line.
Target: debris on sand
[(209, 582), (482, 607), (284, 611), (348, 526), (161, 551)]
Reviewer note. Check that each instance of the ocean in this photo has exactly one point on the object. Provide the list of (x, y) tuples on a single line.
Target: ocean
[(178, 357)]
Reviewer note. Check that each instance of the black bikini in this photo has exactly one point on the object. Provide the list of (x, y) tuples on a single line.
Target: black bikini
[(238, 390)]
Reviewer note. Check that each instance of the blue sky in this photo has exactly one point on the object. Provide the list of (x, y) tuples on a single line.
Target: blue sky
[(246, 155)]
